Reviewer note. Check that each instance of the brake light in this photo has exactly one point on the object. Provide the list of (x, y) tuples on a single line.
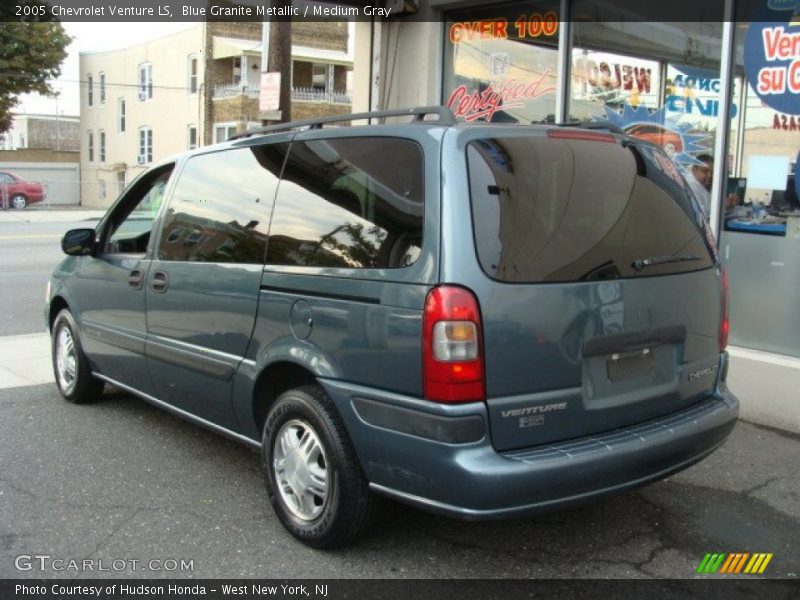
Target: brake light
[(577, 134), (725, 325), (452, 365)]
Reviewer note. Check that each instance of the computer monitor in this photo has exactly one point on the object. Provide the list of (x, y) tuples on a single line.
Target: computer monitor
[(786, 199), (737, 187)]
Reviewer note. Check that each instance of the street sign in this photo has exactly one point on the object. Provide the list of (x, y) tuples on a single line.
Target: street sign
[(269, 97)]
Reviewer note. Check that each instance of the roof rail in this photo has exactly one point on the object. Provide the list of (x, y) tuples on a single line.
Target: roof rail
[(445, 117), (602, 124)]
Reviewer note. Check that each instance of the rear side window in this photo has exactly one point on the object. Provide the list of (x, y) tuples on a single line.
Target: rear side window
[(561, 210), (351, 203), (220, 209)]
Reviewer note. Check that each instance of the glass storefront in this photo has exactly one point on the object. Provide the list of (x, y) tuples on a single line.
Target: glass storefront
[(663, 82)]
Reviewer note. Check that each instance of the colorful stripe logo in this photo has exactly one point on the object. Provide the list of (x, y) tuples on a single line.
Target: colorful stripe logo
[(735, 563)]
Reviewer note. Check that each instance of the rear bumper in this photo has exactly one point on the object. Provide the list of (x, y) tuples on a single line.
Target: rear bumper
[(437, 457)]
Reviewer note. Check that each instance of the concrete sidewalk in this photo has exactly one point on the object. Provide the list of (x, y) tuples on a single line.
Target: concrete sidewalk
[(50, 215), (26, 360), (767, 385)]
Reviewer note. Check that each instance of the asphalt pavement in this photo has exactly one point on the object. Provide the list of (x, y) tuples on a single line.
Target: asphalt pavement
[(121, 480)]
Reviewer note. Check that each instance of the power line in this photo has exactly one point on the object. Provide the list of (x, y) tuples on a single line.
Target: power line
[(107, 84)]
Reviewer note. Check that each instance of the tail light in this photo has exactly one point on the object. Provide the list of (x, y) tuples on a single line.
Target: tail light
[(452, 349), (725, 325)]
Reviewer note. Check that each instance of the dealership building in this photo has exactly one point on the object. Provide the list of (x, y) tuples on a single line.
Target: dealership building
[(712, 86)]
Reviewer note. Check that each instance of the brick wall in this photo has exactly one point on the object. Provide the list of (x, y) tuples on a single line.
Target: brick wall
[(312, 110), (237, 108), (302, 75), (326, 35), (39, 155), (243, 30), (53, 134), (339, 78)]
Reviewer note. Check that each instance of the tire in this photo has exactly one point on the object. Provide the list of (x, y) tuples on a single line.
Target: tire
[(70, 365), (19, 201), (334, 505)]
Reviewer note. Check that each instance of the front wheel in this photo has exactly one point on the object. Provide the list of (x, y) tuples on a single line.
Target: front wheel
[(314, 481), (70, 365), (19, 201)]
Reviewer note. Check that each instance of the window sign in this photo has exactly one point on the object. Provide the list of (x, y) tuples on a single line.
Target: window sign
[(613, 79), (501, 63), (772, 61)]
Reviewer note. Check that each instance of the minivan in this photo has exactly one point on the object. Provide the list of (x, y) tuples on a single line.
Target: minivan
[(481, 320)]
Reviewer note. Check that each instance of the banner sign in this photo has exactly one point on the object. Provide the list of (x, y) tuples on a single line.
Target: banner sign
[(772, 64)]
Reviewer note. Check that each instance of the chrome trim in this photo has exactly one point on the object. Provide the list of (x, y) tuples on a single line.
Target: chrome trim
[(182, 413)]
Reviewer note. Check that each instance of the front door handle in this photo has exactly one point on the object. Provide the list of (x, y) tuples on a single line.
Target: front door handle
[(160, 282), (136, 279)]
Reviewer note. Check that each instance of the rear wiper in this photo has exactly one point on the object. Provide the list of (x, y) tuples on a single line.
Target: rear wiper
[(641, 263)]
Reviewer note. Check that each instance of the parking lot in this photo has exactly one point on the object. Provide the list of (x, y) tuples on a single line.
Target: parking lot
[(121, 484)]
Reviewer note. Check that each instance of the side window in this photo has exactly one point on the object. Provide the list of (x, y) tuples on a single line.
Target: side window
[(221, 206), (351, 202), (129, 229)]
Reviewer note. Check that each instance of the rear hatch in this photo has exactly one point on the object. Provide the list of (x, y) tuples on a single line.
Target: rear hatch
[(602, 307)]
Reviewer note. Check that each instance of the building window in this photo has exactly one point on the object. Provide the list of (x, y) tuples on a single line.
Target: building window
[(192, 135), (145, 156), (102, 189), (90, 88), (224, 131), (145, 81), (102, 88), (193, 65), (102, 140), (121, 115), (319, 77), (90, 146)]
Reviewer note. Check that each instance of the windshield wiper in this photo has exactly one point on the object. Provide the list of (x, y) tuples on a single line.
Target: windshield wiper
[(641, 263)]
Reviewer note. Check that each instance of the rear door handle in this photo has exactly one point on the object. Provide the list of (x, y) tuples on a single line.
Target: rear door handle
[(160, 282), (136, 279)]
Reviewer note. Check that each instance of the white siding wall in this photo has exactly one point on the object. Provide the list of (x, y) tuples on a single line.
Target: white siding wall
[(169, 113)]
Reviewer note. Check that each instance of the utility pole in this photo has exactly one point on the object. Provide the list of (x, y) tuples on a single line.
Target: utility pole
[(280, 54)]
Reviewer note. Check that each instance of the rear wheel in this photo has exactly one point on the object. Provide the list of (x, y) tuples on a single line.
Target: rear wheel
[(19, 201), (314, 481), (70, 365)]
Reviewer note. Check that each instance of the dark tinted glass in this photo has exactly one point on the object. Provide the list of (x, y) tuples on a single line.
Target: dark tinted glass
[(220, 209), (353, 202), (574, 210)]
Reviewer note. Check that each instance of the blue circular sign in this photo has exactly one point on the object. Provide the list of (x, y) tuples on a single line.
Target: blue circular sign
[(772, 64)]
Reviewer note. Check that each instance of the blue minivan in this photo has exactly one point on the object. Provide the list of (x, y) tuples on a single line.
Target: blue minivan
[(480, 320)]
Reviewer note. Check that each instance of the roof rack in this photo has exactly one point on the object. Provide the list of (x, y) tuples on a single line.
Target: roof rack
[(607, 125), (445, 117)]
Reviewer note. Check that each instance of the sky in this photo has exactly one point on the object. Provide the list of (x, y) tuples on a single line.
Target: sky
[(91, 37)]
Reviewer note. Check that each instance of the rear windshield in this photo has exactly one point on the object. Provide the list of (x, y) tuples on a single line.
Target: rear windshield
[(560, 210)]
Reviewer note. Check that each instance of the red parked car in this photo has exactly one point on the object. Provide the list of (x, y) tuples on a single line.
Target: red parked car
[(17, 192)]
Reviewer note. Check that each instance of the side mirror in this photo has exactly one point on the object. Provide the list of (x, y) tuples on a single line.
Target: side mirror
[(78, 242)]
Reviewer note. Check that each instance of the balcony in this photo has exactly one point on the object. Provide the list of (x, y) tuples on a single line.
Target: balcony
[(230, 90), (301, 94)]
